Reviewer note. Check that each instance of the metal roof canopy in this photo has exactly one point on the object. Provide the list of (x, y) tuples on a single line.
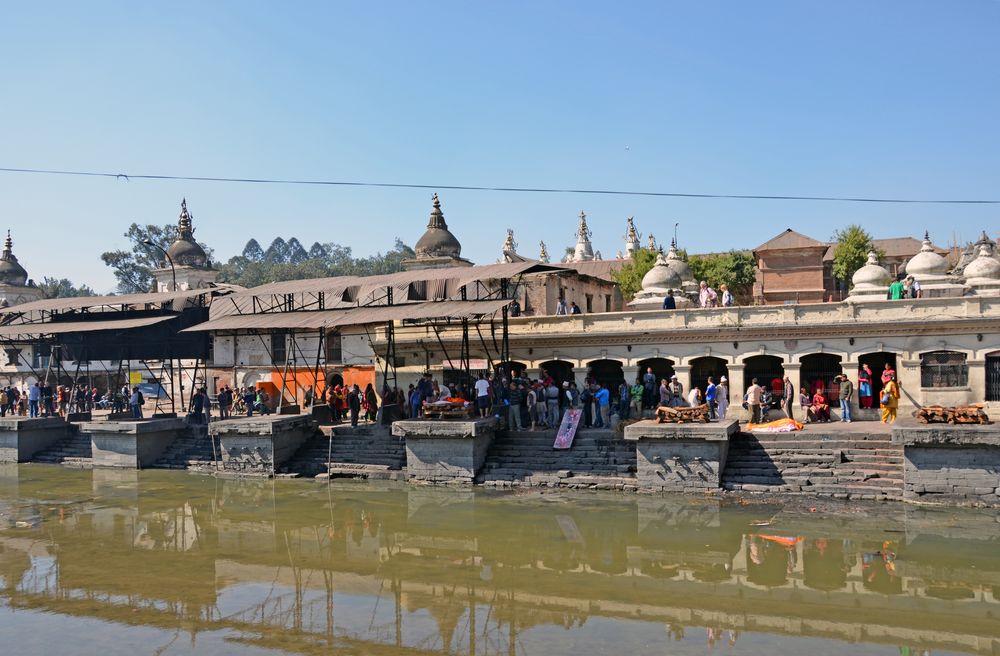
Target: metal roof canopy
[(464, 275), (352, 316), (61, 327), (87, 302)]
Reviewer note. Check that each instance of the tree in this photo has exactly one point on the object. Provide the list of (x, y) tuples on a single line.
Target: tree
[(277, 252), (316, 251), (336, 260), (296, 253), (629, 276), (134, 268), (851, 251), (63, 288), (735, 269), (252, 251)]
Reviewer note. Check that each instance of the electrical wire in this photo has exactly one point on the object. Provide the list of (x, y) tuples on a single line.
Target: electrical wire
[(531, 190)]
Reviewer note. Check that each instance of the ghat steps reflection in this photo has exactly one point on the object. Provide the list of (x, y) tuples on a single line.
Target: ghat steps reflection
[(383, 569)]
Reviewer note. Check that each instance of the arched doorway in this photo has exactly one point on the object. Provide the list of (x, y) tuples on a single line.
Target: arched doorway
[(663, 368), (607, 373), (817, 374), (560, 370), (766, 369), (511, 369), (876, 362), (702, 368)]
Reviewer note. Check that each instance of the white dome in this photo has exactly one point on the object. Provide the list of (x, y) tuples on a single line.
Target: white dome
[(661, 276), (871, 274), (985, 267), (926, 262), (679, 266)]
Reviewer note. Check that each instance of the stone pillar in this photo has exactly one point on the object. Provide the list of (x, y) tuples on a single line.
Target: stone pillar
[(631, 373), (736, 388), (683, 373), (908, 374), (850, 369), (977, 381)]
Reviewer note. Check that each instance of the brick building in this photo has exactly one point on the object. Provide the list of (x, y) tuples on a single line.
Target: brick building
[(790, 270)]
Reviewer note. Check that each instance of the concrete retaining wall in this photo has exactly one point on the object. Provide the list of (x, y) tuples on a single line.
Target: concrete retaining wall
[(445, 451), (258, 445), (21, 437), (680, 457), (131, 444), (951, 464)]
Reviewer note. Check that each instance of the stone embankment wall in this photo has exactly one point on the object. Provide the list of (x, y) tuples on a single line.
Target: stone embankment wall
[(258, 445), (445, 452), (951, 464), (860, 464)]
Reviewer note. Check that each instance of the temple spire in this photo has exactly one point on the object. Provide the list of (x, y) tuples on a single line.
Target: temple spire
[(437, 216), (8, 247), (583, 252), (632, 237), (185, 230), (543, 254)]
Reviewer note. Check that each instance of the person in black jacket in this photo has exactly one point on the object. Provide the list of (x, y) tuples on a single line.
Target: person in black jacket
[(354, 404), (668, 301)]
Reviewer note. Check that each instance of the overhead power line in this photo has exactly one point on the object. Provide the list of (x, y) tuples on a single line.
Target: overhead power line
[(529, 190)]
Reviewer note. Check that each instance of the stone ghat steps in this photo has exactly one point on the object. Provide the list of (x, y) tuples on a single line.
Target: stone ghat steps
[(75, 450), (527, 457), (193, 450), (853, 466), (361, 452)]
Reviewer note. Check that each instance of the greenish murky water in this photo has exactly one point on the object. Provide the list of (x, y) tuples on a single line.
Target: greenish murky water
[(167, 562)]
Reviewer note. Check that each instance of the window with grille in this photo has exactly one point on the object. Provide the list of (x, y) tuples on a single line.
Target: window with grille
[(279, 352), (944, 369)]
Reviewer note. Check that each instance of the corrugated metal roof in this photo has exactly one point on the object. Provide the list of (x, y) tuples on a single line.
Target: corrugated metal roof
[(351, 317), (399, 281), (83, 302), (60, 327)]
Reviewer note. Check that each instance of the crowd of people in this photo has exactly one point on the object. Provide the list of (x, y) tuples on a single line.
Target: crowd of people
[(816, 398), (42, 399)]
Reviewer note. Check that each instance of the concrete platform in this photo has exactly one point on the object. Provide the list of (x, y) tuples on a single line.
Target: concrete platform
[(258, 445), (950, 464), (680, 457), (21, 437), (131, 444), (445, 451)]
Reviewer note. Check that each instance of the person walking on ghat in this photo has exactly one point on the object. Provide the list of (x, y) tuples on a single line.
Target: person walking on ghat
[(722, 396), (846, 396), (788, 397), (889, 401)]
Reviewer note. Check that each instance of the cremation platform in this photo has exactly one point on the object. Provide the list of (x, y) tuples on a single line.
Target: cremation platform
[(445, 450), (680, 457), (21, 437), (131, 444), (258, 445)]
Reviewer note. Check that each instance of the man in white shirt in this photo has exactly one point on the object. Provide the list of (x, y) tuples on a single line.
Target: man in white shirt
[(483, 395), (754, 395)]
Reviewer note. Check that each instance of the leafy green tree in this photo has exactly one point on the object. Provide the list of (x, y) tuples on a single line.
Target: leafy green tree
[(252, 251), (336, 261), (316, 251), (63, 288), (296, 252), (134, 268), (277, 252), (851, 251), (736, 269), (629, 276)]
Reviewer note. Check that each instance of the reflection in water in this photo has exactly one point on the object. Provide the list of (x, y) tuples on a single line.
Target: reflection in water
[(224, 566)]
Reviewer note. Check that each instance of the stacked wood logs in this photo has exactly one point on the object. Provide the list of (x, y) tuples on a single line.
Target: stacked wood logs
[(963, 414), (667, 415)]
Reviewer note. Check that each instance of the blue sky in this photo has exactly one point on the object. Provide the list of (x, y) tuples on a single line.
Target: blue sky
[(893, 98)]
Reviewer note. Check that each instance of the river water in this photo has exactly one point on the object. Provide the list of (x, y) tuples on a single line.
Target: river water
[(160, 562)]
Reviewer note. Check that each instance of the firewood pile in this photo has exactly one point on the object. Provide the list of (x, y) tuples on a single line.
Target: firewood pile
[(667, 415), (963, 414)]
